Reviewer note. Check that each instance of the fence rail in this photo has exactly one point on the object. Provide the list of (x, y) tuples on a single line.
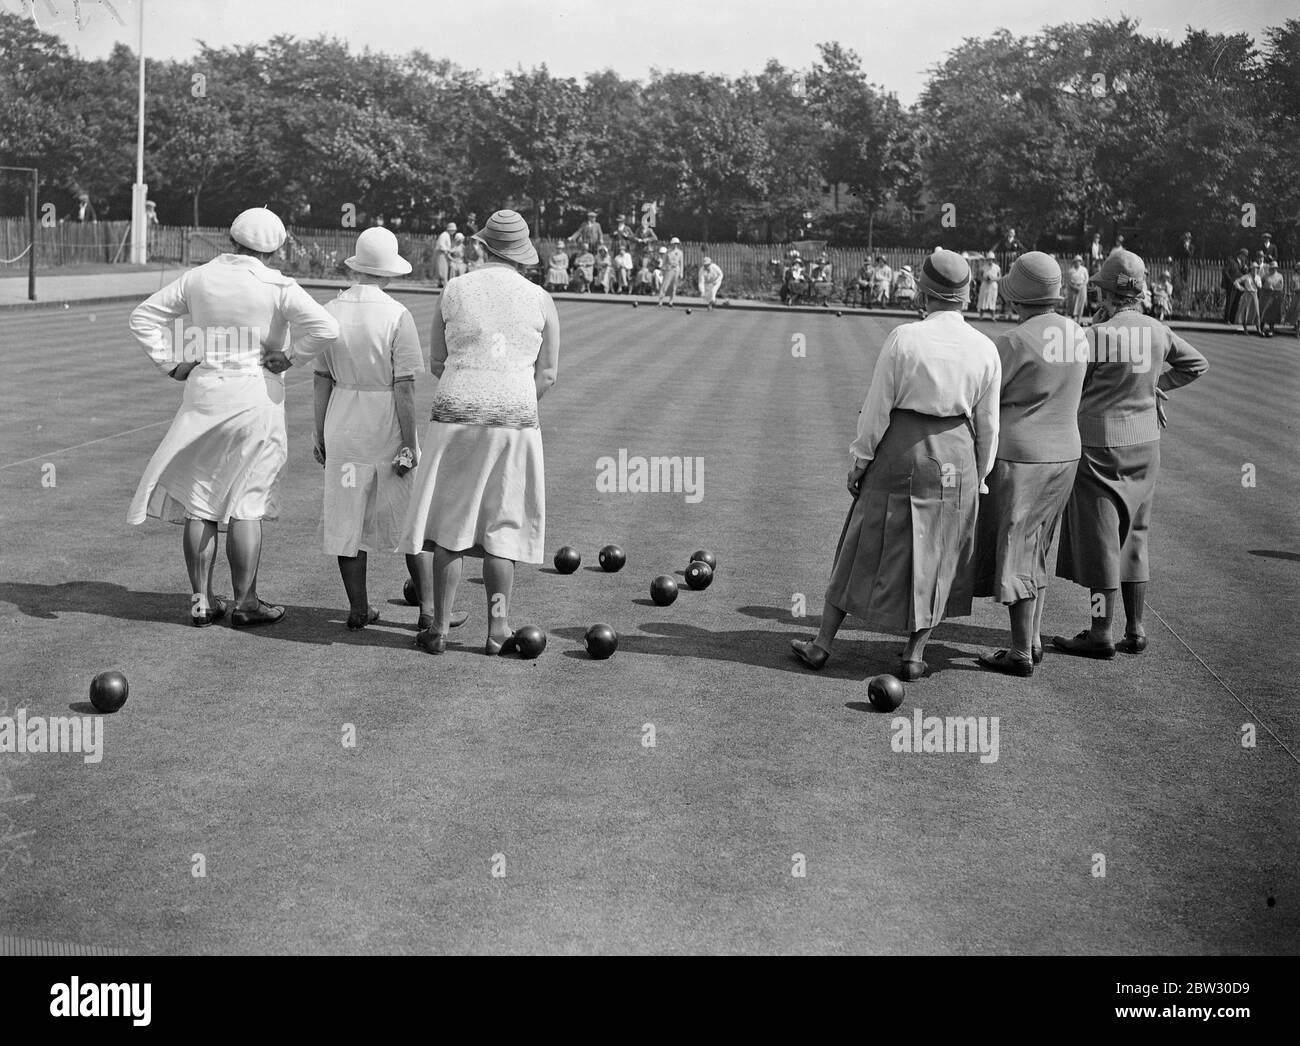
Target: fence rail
[(320, 252)]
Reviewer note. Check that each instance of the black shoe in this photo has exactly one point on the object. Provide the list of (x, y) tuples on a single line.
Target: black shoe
[(1131, 644), (1082, 646), (265, 614), (1002, 661)]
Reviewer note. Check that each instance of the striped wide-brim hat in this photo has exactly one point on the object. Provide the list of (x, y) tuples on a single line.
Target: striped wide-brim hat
[(945, 275), (506, 235)]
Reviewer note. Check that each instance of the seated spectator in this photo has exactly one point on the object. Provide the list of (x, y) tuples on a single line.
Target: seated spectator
[(623, 271), (584, 271), (822, 275), (905, 287), (557, 270), (604, 270), (645, 276), (882, 277), (1162, 296)]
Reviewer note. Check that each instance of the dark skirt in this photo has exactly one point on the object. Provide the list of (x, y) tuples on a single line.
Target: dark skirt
[(1108, 517), (906, 555), (1270, 308), (1018, 520)]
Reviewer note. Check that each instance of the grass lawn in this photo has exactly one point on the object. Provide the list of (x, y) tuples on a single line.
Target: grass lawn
[(231, 743)]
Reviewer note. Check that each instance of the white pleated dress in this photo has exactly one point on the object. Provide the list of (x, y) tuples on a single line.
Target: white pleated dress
[(223, 455), (481, 485)]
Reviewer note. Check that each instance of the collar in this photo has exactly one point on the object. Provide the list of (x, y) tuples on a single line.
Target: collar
[(363, 292)]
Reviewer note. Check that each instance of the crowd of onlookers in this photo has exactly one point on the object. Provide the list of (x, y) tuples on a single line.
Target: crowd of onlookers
[(632, 260)]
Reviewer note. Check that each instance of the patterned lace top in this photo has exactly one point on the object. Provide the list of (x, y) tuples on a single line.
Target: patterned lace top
[(494, 319)]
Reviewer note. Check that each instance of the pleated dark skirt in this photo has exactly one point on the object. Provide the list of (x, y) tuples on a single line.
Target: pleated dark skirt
[(1018, 521), (906, 555), (1108, 518)]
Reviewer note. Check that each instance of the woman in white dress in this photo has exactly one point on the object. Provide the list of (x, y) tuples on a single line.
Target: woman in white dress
[(480, 487), (988, 301), (365, 420), (218, 467)]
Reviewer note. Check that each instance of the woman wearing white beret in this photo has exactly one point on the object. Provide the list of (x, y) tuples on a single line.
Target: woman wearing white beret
[(218, 467)]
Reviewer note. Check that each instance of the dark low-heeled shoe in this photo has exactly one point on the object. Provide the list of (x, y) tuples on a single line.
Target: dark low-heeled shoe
[(215, 612), (265, 614), (1131, 644), (810, 653), (431, 642), (1082, 646), (910, 671), (502, 648), (1037, 654), (1002, 661), (359, 619)]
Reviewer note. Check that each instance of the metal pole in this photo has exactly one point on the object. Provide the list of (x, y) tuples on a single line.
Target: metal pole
[(31, 239), (139, 191)]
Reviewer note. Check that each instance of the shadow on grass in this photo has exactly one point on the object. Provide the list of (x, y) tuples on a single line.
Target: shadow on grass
[(762, 648), (301, 624), (955, 631)]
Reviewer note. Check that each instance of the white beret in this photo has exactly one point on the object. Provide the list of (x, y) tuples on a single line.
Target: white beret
[(259, 230)]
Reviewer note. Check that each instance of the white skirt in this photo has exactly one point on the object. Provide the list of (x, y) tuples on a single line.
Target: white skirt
[(479, 488), (224, 454)]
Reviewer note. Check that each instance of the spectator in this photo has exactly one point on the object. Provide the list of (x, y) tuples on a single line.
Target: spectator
[(442, 255), (645, 276), (1272, 287), (623, 234), (659, 267), (1248, 285), (623, 271), (863, 282), (584, 271), (1096, 254), (1293, 306), (905, 287), (1162, 296), (823, 280), (1233, 269), (557, 269), (604, 269), (85, 210), (673, 262), (1268, 249), (710, 280), (1076, 289), (1186, 253), (471, 226), (882, 279), (589, 233), (456, 258), (1119, 246), (989, 287)]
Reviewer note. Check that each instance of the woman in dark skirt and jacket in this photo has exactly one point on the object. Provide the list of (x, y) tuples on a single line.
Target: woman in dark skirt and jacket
[(1105, 533), (927, 436), (1043, 364)]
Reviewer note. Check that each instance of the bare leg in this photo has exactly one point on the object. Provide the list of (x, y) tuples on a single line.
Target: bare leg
[(200, 545), (353, 569), (915, 649), (832, 618), (244, 550), (447, 567), (1135, 600), (499, 582)]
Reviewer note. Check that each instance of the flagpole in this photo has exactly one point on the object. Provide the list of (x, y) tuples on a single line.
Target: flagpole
[(139, 191)]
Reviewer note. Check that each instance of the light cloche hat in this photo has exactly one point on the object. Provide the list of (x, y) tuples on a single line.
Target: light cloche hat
[(377, 254), (506, 235)]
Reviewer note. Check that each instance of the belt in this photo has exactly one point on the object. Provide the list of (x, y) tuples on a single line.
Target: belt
[(363, 388)]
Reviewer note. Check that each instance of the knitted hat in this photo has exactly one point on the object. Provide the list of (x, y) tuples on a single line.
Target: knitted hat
[(1034, 279), (506, 234), (945, 275), (1122, 273), (259, 230)]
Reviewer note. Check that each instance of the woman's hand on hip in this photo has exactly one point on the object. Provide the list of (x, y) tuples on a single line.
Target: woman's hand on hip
[(1161, 397), (276, 361), (182, 370), (318, 448)]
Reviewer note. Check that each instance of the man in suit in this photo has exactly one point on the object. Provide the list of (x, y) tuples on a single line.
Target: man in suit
[(1233, 270)]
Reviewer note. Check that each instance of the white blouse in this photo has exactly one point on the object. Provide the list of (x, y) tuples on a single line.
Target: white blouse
[(938, 366)]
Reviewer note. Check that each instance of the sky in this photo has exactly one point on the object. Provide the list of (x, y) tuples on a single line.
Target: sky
[(898, 43)]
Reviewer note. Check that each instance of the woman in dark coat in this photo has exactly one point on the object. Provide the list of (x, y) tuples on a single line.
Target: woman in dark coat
[(1105, 534)]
